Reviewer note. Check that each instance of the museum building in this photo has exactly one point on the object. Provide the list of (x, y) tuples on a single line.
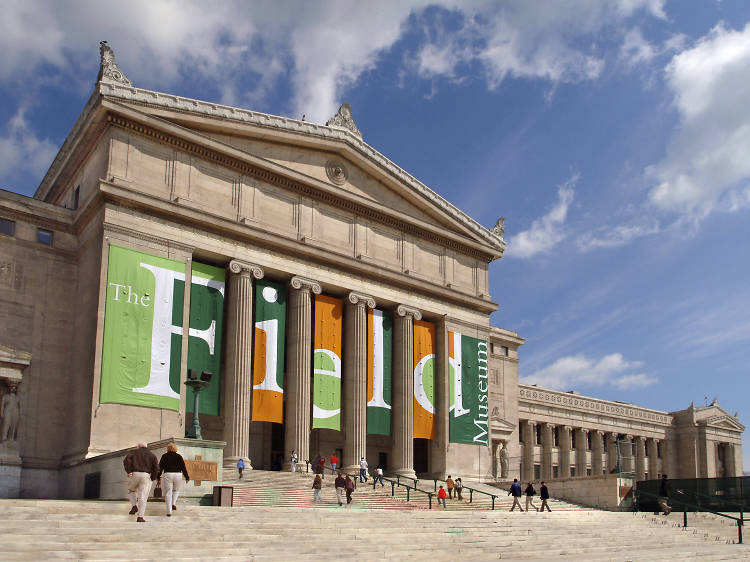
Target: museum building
[(332, 301)]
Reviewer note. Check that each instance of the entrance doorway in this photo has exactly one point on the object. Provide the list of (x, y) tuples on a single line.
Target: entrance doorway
[(421, 456)]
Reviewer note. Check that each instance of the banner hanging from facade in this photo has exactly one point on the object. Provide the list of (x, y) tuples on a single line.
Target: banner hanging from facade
[(468, 390), (379, 371), (207, 290), (327, 363), (268, 357), (141, 351), (424, 380)]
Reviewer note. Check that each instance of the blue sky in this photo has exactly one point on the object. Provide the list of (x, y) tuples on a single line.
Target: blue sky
[(613, 135)]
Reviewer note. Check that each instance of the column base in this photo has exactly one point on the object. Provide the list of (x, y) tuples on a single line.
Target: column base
[(408, 472), (351, 469)]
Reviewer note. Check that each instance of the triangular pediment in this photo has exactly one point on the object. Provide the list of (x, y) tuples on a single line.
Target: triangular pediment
[(325, 156), (725, 422)]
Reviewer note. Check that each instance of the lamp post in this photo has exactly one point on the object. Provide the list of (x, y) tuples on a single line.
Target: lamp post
[(197, 384)]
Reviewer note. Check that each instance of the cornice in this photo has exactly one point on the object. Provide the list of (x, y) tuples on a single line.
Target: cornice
[(188, 105), (158, 240), (586, 404), (277, 179)]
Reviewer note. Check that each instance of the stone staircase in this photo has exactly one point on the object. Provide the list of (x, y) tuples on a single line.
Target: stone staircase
[(98, 530)]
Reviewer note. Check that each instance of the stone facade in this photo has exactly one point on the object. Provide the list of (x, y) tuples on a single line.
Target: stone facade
[(310, 206)]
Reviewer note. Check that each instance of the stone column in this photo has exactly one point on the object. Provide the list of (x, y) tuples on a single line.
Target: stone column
[(730, 461), (626, 453), (640, 458), (529, 442), (299, 367), (547, 443), (565, 448), (653, 459), (239, 379), (403, 389), (581, 447), (611, 451), (597, 452), (355, 380)]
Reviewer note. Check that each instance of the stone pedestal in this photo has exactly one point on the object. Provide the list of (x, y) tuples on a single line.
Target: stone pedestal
[(10, 470)]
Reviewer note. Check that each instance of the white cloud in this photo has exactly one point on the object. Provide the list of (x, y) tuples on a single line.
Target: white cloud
[(22, 151), (619, 235), (707, 166), (569, 372), (635, 49), (545, 232)]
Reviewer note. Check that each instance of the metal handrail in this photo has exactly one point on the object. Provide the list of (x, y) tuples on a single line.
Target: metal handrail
[(471, 492), (740, 520)]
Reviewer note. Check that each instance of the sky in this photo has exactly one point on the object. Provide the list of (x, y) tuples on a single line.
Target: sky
[(613, 135)]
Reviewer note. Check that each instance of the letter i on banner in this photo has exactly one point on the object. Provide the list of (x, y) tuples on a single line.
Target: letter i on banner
[(468, 389), (268, 358), (379, 369), (327, 363), (424, 380)]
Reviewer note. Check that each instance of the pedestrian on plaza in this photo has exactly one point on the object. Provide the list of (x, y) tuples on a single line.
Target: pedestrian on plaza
[(544, 494), (530, 492), (459, 489), (441, 496), (334, 462), (293, 460), (321, 466), (171, 471), (362, 469), (379, 476), (141, 467), (349, 489), (340, 485), (515, 491), (317, 485), (450, 485), (664, 489), (240, 467)]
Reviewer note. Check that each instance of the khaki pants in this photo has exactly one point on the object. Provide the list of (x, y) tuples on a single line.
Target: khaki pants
[(530, 502), (545, 504), (516, 502), (340, 495), (172, 486), (139, 485)]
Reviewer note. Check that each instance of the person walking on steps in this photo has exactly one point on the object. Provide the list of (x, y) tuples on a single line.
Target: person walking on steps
[(141, 467), (362, 469), (459, 489), (293, 460), (241, 467), (664, 489), (349, 489), (449, 484), (515, 491), (441, 496), (171, 471), (340, 485), (530, 493), (544, 494), (334, 462), (321, 467), (379, 476), (317, 485)]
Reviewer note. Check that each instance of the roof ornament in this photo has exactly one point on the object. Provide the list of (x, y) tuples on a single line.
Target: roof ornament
[(499, 228), (108, 70), (343, 120)]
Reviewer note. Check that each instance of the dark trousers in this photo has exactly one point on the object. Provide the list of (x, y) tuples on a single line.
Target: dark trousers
[(349, 495), (378, 477), (450, 493), (240, 471), (363, 475)]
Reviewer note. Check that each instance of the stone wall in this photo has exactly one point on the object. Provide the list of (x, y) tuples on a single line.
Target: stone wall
[(607, 491)]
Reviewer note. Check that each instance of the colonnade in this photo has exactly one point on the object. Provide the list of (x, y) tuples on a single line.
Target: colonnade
[(238, 388), (583, 452)]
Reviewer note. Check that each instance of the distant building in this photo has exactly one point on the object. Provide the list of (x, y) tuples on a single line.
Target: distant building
[(337, 304)]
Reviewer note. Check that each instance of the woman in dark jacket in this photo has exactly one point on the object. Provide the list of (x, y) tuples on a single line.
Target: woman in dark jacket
[(530, 491), (171, 470)]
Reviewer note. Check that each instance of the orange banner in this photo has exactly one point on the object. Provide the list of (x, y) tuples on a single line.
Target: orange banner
[(424, 380), (327, 362)]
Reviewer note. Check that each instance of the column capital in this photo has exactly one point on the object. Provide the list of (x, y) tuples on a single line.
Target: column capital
[(305, 284), (566, 427), (628, 437), (597, 432), (529, 422), (361, 299), (403, 310), (246, 268), (640, 438), (583, 430)]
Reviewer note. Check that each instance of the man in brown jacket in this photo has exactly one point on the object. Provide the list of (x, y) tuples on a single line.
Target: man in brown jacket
[(142, 467), (449, 484)]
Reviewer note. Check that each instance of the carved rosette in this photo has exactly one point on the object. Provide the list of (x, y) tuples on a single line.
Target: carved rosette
[(361, 299), (246, 268), (403, 310), (305, 284), (336, 172), (343, 120), (108, 69)]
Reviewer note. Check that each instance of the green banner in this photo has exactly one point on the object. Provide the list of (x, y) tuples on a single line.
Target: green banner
[(379, 369), (468, 390), (141, 352), (207, 290), (268, 356)]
